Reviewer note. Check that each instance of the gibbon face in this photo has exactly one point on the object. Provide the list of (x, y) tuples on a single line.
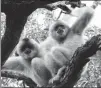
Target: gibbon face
[(59, 31), (27, 48)]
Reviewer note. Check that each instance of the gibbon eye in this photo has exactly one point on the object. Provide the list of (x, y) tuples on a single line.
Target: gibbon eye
[(26, 48), (59, 27)]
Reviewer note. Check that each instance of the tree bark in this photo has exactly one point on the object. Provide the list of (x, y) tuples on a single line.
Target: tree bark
[(79, 59), (18, 76)]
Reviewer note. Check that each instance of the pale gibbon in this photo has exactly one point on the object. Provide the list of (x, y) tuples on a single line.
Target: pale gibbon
[(53, 40), (29, 62), (73, 39), (62, 42), (70, 39)]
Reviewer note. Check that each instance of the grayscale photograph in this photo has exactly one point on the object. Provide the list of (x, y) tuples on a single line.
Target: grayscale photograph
[(50, 44)]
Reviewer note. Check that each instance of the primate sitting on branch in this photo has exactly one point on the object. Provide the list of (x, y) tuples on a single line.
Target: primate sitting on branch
[(42, 66)]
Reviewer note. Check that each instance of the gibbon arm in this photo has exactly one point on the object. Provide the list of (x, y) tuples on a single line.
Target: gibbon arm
[(13, 63), (83, 20)]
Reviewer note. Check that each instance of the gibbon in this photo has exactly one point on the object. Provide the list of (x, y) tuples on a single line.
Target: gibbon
[(59, 47), (59, 31), (74, 35), (29, 62), (70, 39), (53, 40)]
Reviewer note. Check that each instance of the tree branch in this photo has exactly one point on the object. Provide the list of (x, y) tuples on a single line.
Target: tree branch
[(18, 76)]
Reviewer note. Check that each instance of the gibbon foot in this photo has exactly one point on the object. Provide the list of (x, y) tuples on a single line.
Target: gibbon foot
[(57, 78)]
